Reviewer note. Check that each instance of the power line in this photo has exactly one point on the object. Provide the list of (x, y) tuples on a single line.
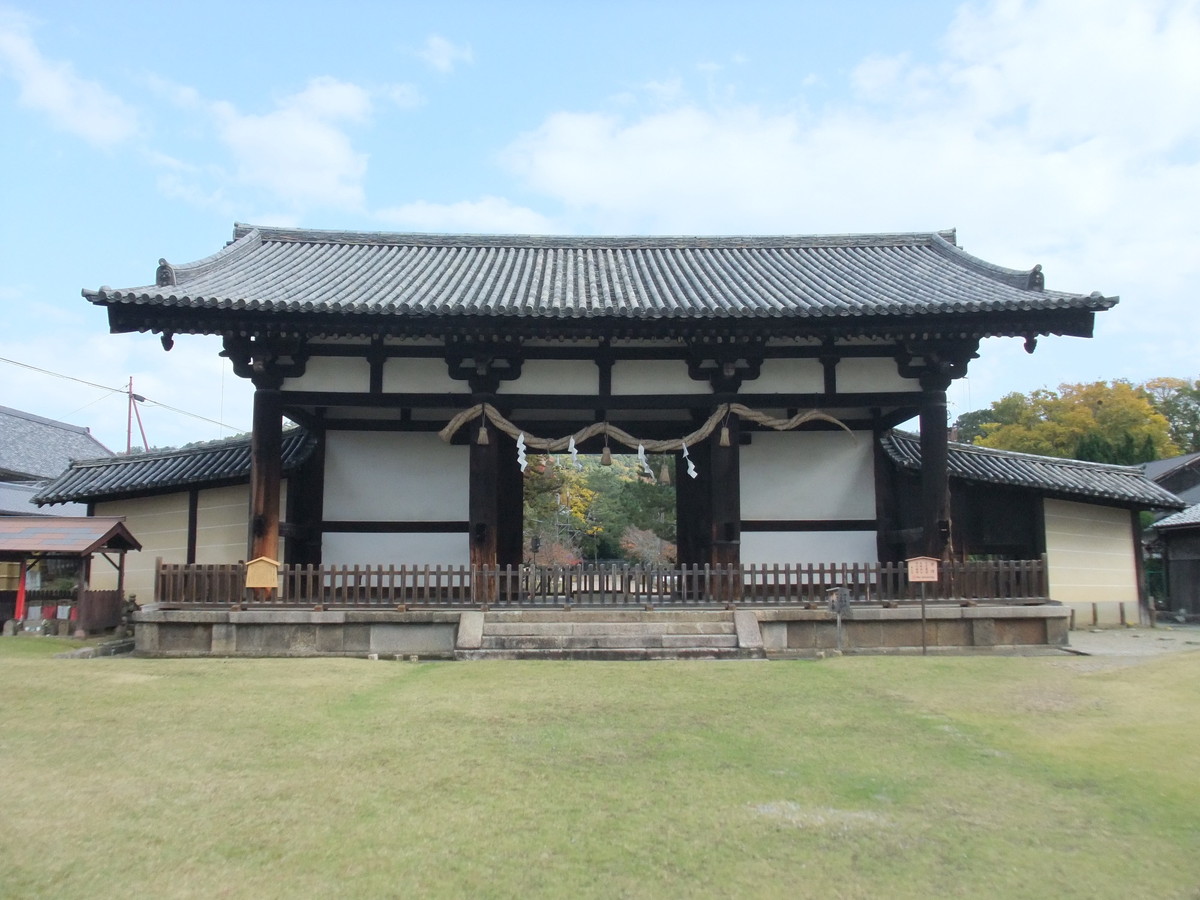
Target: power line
[(120, 390)]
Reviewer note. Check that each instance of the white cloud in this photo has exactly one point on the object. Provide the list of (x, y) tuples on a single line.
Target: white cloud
[(74, 104), (488, 215), (442, 55), (1044, 134)]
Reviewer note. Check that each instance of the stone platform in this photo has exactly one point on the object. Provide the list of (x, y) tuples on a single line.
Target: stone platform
[(594, 633)]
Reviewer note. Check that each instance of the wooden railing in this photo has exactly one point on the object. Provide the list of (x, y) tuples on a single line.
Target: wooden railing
[(997, 581)]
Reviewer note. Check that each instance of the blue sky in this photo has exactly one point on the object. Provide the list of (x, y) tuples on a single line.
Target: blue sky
[(1060, 132)]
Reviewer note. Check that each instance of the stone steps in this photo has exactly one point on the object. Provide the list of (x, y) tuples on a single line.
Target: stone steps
[(606, 634)]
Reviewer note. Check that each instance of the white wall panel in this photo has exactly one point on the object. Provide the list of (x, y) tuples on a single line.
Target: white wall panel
[(387, 476), (332, 373), (160, 525), (222, 524), (787, 376), (798, 547), (555, 376), (395, 549), (870, 374), (419, 376), (808, 475), (643, 376), (1090, 551)]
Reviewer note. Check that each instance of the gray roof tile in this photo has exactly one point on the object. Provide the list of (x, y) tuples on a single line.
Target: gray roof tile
[(818, 278), (1183, 519), (1090, 481), (211, 464), (35, 448)]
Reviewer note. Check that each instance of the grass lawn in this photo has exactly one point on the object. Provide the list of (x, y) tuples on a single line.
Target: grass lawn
[(866, 777)]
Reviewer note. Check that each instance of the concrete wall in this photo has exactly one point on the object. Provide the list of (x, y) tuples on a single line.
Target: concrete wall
[(1090, 550)]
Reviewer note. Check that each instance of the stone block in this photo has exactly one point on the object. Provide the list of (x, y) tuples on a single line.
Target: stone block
[(470, 630), (224, 640), (184, 638), (775, 636), (983, 632), (749, 634), (145, 637), (414, 638), (356, 638)]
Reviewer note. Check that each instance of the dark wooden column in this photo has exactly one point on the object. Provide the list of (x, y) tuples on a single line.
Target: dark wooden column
[(266, 464), (510, 542), (935, 477), (484, 497), (726, 496)]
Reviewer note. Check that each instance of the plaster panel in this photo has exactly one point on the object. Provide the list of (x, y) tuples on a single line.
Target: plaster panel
[(787, 376), (808, 475), (160, 524), (642, 376), (340, 549), (1090, 551), (869, 374), (222, 524), (332, 373), (555, 376), (419, 376), (801, 547), (394, 476)]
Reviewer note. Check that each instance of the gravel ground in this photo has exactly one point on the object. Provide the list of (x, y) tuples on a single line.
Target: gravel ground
[(1135, 642)]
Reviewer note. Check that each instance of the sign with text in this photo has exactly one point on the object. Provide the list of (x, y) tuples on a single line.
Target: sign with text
[(922, 568)]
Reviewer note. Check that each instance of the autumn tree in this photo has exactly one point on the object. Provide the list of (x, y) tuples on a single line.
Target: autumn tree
[(1103, 421)]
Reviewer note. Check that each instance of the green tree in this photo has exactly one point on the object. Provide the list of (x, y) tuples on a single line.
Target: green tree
[(1179, 402)]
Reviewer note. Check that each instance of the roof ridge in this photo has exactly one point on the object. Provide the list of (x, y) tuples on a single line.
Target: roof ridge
[(996, 451), (436, 239), (34, 417)]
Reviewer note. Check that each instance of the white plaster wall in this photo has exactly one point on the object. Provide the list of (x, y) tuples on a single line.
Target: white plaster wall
[(1090, 550), (332, 373), (387, 476), (160, 525), (555, 376), (419, 376), (643, 376), (222, 524), (808, 475), (865, 375), (802, 547), (787, 376), (340, 549)]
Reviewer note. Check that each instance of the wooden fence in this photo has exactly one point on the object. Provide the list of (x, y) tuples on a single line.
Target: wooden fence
[(994, 581)]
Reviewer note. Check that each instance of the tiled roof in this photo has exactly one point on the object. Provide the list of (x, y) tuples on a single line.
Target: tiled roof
[(16, 499), (56, 534), (207, 465), (36, 448), (1183, 519), (271, 271), (1123, 485), (1159, 469)]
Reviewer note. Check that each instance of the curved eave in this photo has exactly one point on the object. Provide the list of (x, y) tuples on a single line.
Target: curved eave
[(125, 317)]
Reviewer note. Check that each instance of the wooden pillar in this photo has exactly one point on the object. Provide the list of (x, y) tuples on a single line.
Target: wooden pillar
[(266, 464), (727, 507), (510, 541), (484, 497), (19, 611), (935, 477)]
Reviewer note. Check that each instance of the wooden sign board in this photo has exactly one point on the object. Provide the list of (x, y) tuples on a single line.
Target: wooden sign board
[(262, 572), (922, 568)]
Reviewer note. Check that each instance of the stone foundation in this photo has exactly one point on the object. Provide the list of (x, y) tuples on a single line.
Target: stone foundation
[(447, 634)]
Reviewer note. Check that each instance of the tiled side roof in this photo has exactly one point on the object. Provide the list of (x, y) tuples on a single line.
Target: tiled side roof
[(1123, 485), (66, 535), (270, 271), (1185, 518), (212, 464), (37, 448)]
